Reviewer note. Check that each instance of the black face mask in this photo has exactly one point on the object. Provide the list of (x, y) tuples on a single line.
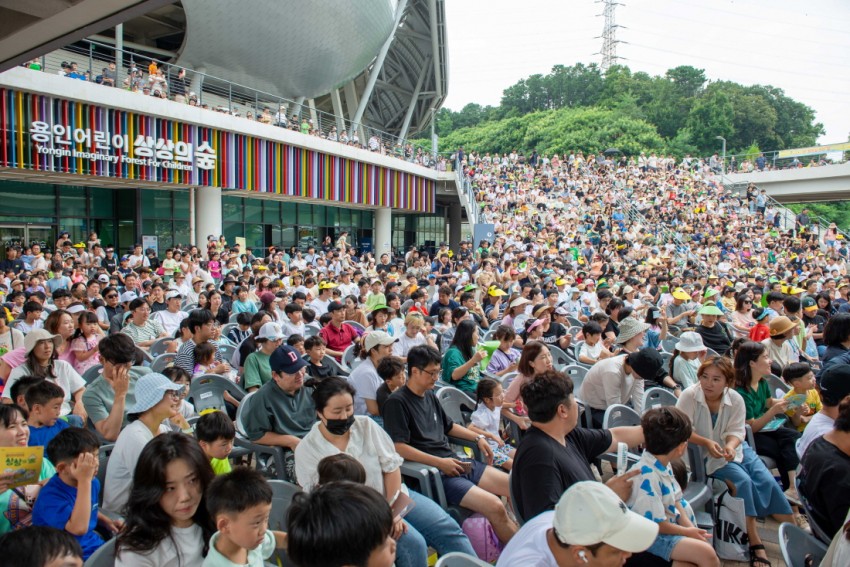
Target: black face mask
[(339, 426)]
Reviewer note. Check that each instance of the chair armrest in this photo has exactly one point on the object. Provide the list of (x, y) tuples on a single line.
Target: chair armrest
[(476, 450), (277, 454), (428, 477)]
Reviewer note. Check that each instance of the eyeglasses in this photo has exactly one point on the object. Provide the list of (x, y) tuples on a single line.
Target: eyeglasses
[(431, 373), (111, 295), (174, 394)]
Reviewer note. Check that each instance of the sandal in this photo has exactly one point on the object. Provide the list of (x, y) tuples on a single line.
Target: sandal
[(754, 559)]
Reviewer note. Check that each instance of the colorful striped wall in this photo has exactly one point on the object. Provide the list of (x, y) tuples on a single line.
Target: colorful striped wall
[(242, 162)]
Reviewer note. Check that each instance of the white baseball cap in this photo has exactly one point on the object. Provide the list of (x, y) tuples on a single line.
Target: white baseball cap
[(270, 331), (589, 513), (376, 338), (172, 294)]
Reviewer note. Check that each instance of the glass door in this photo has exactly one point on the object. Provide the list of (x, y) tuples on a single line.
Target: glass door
[(13, 235), (41, 235)]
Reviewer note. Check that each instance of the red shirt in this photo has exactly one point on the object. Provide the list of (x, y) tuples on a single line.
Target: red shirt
[(759, 332), (338, 339)]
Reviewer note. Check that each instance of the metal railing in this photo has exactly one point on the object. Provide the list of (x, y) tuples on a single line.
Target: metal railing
[(149, 75), (467, 195), (772, 162), (788, 217)]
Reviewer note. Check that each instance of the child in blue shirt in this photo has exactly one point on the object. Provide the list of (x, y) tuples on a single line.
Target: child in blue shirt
[(69, 500), (657, 495), (44, 400)]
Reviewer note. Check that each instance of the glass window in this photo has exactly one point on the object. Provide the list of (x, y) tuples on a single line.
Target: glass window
[(305, 214), (332, 216), (232, 230), (72, 201), (366, 219), (344, 217), (155, 204), (181, 232), (289, 216), (254, 235), (77, 228), (231, 209), (181, 206), (162, 229), (271, 212), (253, 210), (101, 200), (287, 236), (356, 218), (318, 215), (27, 198)]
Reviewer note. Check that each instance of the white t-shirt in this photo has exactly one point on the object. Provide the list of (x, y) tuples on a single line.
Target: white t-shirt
[(170, 321), (368, 443), (12, 339), (122, 464), (405, 343), (591, 351), (186, 553), (818, 426), (366, 382), (529, 546), (66, 378)]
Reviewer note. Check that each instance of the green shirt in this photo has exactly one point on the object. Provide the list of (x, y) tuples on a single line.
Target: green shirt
[(220, 466), (257, 370), (271, 410), (755, 401), (99, 396), (454, 359)]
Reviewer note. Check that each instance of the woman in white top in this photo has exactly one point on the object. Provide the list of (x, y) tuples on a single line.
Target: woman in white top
[(40, 347), (10, 338), (157, 399), (718, 416), (340, 431), (167, 521)]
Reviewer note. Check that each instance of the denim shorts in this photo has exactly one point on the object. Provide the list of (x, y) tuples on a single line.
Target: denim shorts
[(456, 487), (664, 544)]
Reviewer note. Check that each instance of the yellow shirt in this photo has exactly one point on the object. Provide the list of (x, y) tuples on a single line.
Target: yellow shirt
[(220, 466), (812, 400)]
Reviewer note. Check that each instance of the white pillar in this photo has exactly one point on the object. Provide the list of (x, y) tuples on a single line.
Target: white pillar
[(383, 232), (193, 233), (207, 214), (454, 226)]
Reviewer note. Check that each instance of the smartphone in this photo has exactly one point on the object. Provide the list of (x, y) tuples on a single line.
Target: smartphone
[(467, 466)]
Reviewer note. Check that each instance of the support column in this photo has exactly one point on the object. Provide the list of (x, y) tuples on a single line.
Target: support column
[(383, 232), (313, 115), (207, 214), (351, 103), (414, 99), (119, 50), (193, 226), (376, 68), (455, 226), (339, 115), (196, 85), (299, 106)]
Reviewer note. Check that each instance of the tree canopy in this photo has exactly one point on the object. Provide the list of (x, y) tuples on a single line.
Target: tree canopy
[(581, 108)]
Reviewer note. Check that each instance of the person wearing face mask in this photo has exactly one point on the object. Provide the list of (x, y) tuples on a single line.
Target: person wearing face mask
[(340, 431)]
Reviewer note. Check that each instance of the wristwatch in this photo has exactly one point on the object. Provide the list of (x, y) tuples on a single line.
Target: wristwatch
[(479, 438)]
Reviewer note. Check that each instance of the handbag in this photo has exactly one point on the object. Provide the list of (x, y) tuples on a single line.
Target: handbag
[(731, 541)]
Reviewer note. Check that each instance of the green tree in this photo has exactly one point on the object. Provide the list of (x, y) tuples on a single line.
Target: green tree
[(711, 116)]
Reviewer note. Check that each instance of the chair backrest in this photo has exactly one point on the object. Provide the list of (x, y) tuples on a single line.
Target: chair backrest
[(189, 307), (796, 545), (559, 357), (577, 374), (574, 322), (233, 317), (226, 351), (697, 464), (103, 455), (405, 307), (574, 331), (619, 415), (456, 404), (460, 559), (669, 344), (282, 494), (508, 378), (225, 329), (520, 520), (338, 368), (207, 391), (92, 373), (163, 361), (488, 335), (777, 385), (104, 556), (665, 359), (159, 346), (577, 350), (356, 325), (658, 397), (711, 352), (348, 359), (310, 331), (246, 401)]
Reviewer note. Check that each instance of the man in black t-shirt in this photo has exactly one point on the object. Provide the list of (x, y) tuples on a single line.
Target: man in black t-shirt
[(554, 453), (420, 430)]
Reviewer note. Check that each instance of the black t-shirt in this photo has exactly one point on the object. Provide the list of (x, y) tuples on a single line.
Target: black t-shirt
[(158, 306), (320, 371), (544, 469), (418, 422), (246, 347), (554, 334), (819, 321), (825, 482), (715, 338), (381, 396)]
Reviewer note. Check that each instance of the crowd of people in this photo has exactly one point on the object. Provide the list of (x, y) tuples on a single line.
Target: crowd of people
[(173, 84), (575, 306)]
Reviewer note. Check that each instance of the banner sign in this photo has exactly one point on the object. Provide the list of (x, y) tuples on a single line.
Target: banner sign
[(44, 133), (481, 232), (813, 150)]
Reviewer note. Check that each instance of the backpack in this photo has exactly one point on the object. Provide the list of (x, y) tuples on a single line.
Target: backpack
[(482, 537)]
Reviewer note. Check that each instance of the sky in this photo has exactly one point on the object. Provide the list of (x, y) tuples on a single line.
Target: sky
[(800, 47)]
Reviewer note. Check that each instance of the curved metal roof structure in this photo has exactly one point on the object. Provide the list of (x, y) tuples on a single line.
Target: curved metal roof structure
[(288, 48)]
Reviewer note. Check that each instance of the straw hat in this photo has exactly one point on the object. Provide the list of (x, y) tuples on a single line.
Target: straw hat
[(630, 328), (781, 325)]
